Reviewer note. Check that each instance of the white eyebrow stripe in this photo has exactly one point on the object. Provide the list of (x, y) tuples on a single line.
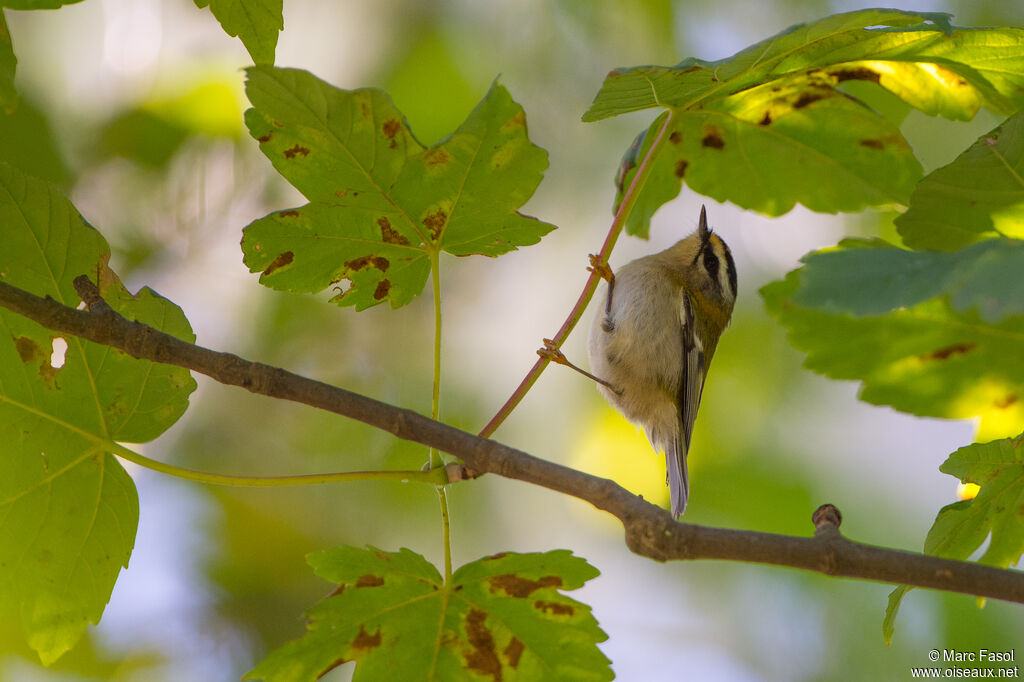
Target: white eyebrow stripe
[(724, 258)]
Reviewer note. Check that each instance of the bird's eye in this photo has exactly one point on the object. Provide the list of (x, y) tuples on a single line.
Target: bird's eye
[(711, 263)]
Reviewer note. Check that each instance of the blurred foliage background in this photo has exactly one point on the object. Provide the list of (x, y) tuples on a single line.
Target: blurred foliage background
[(134, 108)]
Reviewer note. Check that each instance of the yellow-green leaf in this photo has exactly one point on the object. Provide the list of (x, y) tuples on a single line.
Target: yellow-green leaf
[(68, 511), (773, 125), (255, 22), (980, 194), (960, 528), (381, 204), (929, 333), (503, 617)]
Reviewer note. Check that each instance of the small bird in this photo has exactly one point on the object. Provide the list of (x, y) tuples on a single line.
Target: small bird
[(651, 345)]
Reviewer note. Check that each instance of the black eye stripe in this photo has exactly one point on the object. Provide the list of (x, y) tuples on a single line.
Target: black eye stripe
[(711, 263)]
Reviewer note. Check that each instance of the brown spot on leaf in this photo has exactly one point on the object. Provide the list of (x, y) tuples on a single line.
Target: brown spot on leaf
[(278, 124), (806, 99), (516, 586), (1006, 401), (517, 121), (945, 353), (692, 69), (378, 262), (381, 292), (436, 157), (295, 151), (389, 234), (290, 213), (27, 349), (379, 554), (858, 73), (676, 137), (766, 120), (264, 138), (495, 557), (681, 167), (435, 223), (554, 608), (483, 658), (712, 137), (390, 130), (282, 260), (872, 144), (513, 652), (47, 372), (369, 580), (364, 640)]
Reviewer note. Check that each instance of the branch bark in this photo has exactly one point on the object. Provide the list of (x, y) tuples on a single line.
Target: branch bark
[(649, 530)]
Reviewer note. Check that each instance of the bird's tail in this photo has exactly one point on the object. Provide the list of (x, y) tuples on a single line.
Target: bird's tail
[(678, 476)]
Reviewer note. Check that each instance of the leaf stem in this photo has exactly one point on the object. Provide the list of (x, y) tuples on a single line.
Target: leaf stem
[(435, 400), (436, 461), (446, 531), (434, 476), (629, 200)]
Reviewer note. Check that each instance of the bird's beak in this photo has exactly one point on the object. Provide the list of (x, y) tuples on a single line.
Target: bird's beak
[(702, 227)]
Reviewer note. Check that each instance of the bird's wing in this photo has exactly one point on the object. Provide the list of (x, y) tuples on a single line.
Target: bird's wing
[(691, 384)]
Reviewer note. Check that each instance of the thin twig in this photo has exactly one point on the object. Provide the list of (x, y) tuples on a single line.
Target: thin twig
[(650, 531), (625, 207)]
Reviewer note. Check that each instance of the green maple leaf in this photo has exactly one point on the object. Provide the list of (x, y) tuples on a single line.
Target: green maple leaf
[(772, 125), (927, 332), (255, 22), (502, 618), (977, 196), (960, 528), (68, 511), (382, 206)]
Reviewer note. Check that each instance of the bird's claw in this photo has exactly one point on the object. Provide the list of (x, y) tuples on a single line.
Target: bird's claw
[(600, 268), (551, 352)]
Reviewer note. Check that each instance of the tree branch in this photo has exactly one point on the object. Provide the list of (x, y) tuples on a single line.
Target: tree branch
[(650, 531)]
